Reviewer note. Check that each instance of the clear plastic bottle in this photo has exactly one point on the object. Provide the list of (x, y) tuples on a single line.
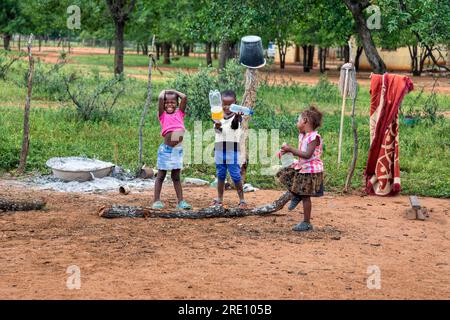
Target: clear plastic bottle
[(237, 108), (286, 158), (215, 101)]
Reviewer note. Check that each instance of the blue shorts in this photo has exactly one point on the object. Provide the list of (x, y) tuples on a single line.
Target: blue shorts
[(170, 158), (233, 168)]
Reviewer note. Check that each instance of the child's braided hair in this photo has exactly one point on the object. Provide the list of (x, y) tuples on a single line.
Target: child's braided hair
[(313, 115)]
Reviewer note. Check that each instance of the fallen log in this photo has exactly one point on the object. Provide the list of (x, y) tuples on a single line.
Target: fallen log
[(118, 211), (15, 205)]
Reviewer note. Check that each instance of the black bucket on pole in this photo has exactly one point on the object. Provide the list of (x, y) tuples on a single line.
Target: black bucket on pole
[(251, 52)]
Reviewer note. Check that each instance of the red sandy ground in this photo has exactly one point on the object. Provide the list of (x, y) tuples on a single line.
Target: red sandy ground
[(291, 74), (240, 258)]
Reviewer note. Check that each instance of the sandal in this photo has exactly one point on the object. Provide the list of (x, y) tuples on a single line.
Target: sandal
[(158, 205), (183, 205), (294, 202), (216, 202), (243, 205), (303, 226)]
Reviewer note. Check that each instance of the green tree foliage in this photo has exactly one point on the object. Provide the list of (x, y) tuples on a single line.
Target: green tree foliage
[(423, 26)]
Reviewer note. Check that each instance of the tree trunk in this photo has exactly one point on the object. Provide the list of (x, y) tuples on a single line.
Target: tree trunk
[(18, 43), (305, 59), (186, 50), (117, 211), (346, 50), (208, 54), (224, 54), (120, 11), (233, 51), (282, 53), (109, 46), (158, 50), (416, 71), (118, 48), (297, 53), (357, 10), (321, 62), (166, 48), (215, 51), (137, 48), (248, 100), (20, 205), (40, 43), (145, 48), (26, 117), (311, 57), (359, 52)]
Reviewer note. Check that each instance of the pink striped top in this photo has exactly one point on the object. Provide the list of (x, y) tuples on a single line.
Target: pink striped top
[(313, 164)]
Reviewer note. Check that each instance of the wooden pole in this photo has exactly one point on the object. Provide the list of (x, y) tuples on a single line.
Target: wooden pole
[(248, 100), (26, 118), (147, 102), (341, 128), (351, 170)]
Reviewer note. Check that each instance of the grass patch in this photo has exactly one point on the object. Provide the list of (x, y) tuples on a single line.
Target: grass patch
[(424, 149), (134, 60)]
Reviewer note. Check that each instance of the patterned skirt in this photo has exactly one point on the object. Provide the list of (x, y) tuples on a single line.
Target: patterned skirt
[(303, 184)]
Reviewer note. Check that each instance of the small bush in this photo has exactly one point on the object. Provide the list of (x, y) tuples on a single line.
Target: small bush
[(267, 118), (198, 85), (49, 83), (325, 91), (6, 63), (423, 108), (93, 102)]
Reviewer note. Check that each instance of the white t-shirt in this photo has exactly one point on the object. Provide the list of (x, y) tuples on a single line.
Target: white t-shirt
[(228, 134)]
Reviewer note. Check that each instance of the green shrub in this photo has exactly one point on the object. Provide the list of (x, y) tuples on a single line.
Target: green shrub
[(6, 63), (93, 101), (48, 83), (198, 85)]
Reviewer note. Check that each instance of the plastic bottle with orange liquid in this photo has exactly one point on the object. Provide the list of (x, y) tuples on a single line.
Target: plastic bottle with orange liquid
[(215, 101)]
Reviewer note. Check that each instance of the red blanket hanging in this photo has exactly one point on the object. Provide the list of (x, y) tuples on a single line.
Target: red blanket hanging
[(382, 170)]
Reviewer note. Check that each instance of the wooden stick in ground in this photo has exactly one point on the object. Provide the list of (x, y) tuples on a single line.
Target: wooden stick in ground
[(351, 170), (117, 211), (341, 128), (26, 118), (248, 100), (146, 105), (12, 205)]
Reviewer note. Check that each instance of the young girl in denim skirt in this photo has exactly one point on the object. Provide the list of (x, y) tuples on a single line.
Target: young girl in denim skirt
[(304, 178), (170, 152)]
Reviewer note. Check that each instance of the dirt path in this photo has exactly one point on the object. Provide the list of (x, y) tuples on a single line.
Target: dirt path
[(291, 74), (244, 258)]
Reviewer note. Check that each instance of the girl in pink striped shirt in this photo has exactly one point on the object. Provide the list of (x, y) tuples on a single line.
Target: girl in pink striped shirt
[(304, 178)]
